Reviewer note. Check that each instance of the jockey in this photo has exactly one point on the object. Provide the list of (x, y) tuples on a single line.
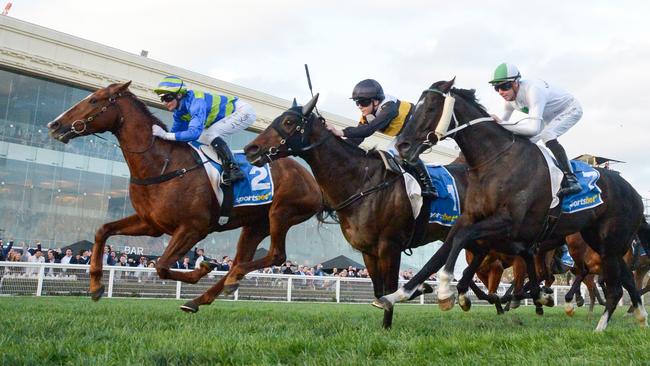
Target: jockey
[(386, 114), (551, 112), (206, 118)]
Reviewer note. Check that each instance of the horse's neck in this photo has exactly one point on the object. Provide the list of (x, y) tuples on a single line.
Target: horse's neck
[(483, 141), (145, 157), (340, 172)]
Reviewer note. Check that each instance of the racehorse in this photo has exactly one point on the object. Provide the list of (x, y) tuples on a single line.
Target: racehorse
[(171, 194), (370, 201), (508, 200)]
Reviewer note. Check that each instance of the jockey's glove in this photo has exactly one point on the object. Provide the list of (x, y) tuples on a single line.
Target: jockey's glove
[(160, 132)]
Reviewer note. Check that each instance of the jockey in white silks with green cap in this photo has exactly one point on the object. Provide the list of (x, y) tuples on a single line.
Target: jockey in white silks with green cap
[(551, 113)]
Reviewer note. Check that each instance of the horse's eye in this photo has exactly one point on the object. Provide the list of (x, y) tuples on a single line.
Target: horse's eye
[(93, 100), (288, 122)]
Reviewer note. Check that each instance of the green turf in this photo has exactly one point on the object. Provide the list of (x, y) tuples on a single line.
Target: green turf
[(76, 331)]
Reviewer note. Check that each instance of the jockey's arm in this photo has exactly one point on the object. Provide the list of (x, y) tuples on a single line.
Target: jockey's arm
[(198, 112), (381, 121), (532, 125)]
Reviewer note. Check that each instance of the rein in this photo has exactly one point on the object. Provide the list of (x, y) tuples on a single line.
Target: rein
[(112, 101), (459, 127), (362, 194)]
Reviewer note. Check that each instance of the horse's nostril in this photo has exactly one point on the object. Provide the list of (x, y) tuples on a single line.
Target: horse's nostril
[(403, 146), (251, 149), (53, 124)]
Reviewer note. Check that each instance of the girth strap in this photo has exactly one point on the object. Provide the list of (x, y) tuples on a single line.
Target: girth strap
[(172, 175)]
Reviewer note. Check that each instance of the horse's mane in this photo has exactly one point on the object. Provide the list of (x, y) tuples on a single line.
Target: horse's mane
[(145, 110), (469, 95), (350, 148)]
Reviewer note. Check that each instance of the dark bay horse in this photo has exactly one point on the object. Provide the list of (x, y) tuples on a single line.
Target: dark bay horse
[(508, 200), (379, 222), (183, 206)]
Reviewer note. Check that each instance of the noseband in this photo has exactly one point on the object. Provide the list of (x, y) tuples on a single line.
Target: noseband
[(84, 122)]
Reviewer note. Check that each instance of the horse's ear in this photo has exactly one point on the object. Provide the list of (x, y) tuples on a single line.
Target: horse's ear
[(446, 86), (294, 104), (309, 107), (125, 86)]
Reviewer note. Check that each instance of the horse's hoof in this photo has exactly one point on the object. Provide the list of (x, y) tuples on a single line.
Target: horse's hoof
[(515, 304), (97, 294), (447, 304), (464, 302), (580, 301), (383, 303), (547, 300), (230, 289), (539, 310), (190, 307), (569, 310)]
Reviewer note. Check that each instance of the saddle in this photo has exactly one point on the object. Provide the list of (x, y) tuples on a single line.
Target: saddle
[(419, 228)]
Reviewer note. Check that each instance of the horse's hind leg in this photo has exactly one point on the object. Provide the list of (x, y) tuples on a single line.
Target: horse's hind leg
[(628, 283), (249, 239), (276, 255), (612, 274), (131, 226)]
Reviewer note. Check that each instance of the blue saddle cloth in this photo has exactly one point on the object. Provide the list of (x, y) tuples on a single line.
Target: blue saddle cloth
[(445, 209), (256, 189), (589, 197)]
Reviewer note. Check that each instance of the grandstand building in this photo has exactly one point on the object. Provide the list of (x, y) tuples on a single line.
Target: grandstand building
[(60, 194)]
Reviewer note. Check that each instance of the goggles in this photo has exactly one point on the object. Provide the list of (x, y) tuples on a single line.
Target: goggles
[(503, 86), (166, 98), (363, 102)]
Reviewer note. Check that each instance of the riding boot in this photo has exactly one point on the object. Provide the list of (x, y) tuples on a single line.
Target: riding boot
[(231, 171), (570, 184), (428, 190)]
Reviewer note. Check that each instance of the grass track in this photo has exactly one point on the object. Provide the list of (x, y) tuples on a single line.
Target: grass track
[(76, 331)]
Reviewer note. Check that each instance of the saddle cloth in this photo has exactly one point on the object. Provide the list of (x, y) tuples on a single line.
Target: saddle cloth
[(445, 209), (587, 176), (256, 189)]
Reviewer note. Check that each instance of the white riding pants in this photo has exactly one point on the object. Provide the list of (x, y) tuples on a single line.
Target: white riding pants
[(243, 117)]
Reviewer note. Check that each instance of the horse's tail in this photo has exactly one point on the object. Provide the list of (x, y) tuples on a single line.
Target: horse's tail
[(324, 212), (644, 235)]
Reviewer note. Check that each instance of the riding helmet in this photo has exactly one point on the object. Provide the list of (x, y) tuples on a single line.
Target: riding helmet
[(505, 72), (368, 89)]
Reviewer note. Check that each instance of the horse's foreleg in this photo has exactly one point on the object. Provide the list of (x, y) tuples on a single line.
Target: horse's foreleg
[(183, 239), (389, 261), (468, 277), (611, 274), (131, 226), (467, 233), (248, 241)]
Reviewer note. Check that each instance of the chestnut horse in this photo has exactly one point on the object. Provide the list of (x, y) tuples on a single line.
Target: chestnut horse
[(508, 200), (181, 201), (377, 222)]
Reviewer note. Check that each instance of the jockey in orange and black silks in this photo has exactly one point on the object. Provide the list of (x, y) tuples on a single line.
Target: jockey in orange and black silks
[(204, 117), (382, 113)]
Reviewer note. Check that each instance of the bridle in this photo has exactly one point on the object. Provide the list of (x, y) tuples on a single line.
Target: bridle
[(111, 101), (297, 141), (442, 130)]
